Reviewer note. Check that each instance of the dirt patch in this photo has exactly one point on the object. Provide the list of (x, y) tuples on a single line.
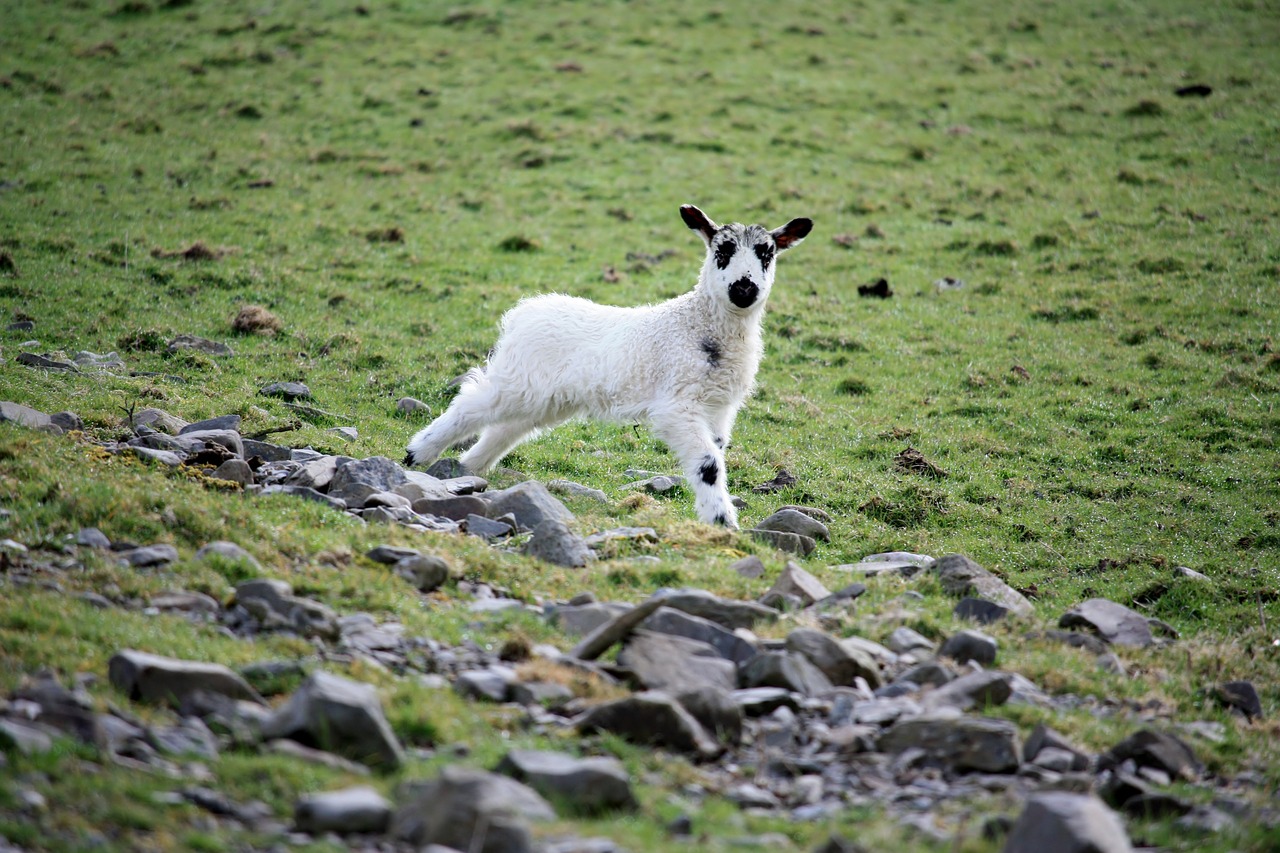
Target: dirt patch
[(197, 252), (256, 320), (912, 461)]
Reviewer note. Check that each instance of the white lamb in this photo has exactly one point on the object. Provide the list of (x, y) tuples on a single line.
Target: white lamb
[(685, 365)]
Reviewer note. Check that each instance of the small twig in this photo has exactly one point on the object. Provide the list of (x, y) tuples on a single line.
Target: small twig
[(289, 427)]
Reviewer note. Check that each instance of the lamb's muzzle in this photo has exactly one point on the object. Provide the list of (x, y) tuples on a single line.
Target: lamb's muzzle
[(685, 365)]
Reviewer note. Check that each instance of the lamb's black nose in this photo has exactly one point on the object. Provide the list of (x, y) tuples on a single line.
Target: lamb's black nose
[(743, 292)]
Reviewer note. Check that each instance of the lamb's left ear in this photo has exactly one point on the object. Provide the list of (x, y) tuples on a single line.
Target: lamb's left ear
[(792, 233), (699, 221)]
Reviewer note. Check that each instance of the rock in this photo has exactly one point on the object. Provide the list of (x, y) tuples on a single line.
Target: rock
[(1062, 822), (750, 567), (228, 551), (376, 472), (316, 474), (980, 611), (787, 670), (1242, 696), (794, 521), (412, 406), (585, 618), (338, 715), (657, 485), (69, 421), (576, 490), (1042, 737), (28, 740), (148, 556), (92, 537), (350, 810), (601, 639), (470, 810), (675, 663), (31, 359), (222, 423), (839, 663), (654, 718), (159, 420), (228, 439), (203, 345), (492, 683), (977, 689), (727, 612), (1089, 642), (903, 640), (961, 576), (759, 701), (158, 457), (792, 543), (286, 391), (589, 785), (24, 416), (457, 508), (265, 451), (621, 534), (797, 582), (927, 673), (425, 572), (748, 795), (968, 646), (234, 471), (182, 601), (553, 542), (530, 503), (981, 744), (718, 711), (488, 529), (153, 678), (447, 469), (1149, 748), (724, 643), (1114, 623), (190, 737), (390, 554), (273, 603)]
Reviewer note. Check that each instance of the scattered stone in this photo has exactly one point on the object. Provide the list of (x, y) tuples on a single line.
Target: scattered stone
[(1243, 697), (979, 610), (92, 537), (148, 556), (26, 739), (1044, 738), (161, 457), (338, 715), (376, 472), (661, 484), (553, 542), (591, 785), (457, 508), (286, 391), (184, 602), (675, 663), (839, 663), (1114, 623), (783, 479), (791, 671), (749, 567), (1148, 748), (198, 344), (981, 744), (792, 543), (651, 717), (794, 521), (447, 469), (471, 810), (350, 810), (1063, 822), (584, 618), (390, 554), (725, 643), (577, 490), (975, 690), (970, 646), (24, 416), (602, 638), (718, 711), (153, 678), (159, 420), (273, 603), (425, 572), (412, 406), (619, 534), (530, 503), (488, 529), (727, 612), (961, 576), (904, 641), (491, 683), (345, 433), (234, 471), (31, 359), (795, 581)]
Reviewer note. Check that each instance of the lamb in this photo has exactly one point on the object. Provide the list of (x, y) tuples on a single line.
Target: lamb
[(685, 365)]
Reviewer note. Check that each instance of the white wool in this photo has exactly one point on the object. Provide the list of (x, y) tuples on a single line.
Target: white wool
[(685, 365)]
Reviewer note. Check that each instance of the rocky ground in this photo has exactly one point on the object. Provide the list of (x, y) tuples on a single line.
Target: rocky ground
[(778, 713)]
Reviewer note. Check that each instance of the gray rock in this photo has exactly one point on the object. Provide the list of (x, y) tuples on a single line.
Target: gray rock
[(975, 690), (456, 508), (31, 359), (980, 611), (376, 472), (839, 663), (488, 529), (447, 469), (759, 701), (530, 503), (961, 576), (190, 737), (783, 669), (1042, 737), (234, 471), (661, 484), (1149, 748), (390, 554), (748, 795), (726, 644), (265, 451), (222, 422), (903, 640), (1113, 622), (1063, 822), (148, 556), (718, 711), (791, 543), (159, 457), (286, 390), (345, 433), (92, 537), (968, 646), (273, 603), (26, 739), (602, 638), (183, 601), (794, 521), (750, 567), (471, 810), (159, 420), (315, 474), (492, 683), (553, 542), (198, 344), (338, 715), (876, 568), (1242, 696), (584, 618), (799, 583), (412, 406), (306, 493), (589, 785), (24, 416), (350, 810), (981, 744), (653, 718), (153, 678), (424, 571), (548, 694), (71, 422), (723, 611), (927, 673), (621, 534), (227, 438), (576, 490), (228, 551), (1076, 639), (674, 663)]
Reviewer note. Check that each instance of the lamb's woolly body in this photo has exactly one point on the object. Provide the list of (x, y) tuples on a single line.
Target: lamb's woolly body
[(685, 365)]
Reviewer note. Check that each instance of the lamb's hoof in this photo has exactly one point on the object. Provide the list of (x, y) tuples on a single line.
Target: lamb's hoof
[(723, 521), (408, 460)]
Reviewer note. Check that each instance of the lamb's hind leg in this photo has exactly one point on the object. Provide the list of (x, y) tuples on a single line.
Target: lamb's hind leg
[(464, 418), (690, 439)]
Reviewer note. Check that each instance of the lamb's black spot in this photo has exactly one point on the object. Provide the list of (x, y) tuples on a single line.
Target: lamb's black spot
[(765, 251), (709, 471), (712, 350), (722, 520), (724, 253), (719, 440), (408, 460)]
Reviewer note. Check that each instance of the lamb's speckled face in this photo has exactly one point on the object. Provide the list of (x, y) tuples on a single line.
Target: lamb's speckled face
[(740, 258)]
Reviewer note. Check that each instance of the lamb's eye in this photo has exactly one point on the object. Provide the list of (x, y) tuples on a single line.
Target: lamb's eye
[(724, 253), (764, 251)]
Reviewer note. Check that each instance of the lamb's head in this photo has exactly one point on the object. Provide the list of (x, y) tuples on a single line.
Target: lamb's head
[(740, 258)]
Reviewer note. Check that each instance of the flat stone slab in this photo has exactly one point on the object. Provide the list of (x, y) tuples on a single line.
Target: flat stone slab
[(590, 785), (1113, 622), (154, 678)]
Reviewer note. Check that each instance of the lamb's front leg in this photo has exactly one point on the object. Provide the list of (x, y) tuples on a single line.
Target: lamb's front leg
[(690, 439)]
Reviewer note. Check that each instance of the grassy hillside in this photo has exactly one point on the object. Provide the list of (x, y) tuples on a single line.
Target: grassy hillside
[(387, 178)]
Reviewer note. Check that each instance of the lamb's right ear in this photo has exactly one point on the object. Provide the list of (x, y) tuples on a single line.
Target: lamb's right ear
[(699, 221)]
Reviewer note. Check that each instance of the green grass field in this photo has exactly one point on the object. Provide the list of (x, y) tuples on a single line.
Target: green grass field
[(388, 178)]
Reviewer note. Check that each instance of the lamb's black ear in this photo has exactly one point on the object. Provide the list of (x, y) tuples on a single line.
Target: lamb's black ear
[(792, 233), (699, 221)]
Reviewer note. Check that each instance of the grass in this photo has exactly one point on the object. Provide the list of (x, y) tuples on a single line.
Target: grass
[(386, 179)]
